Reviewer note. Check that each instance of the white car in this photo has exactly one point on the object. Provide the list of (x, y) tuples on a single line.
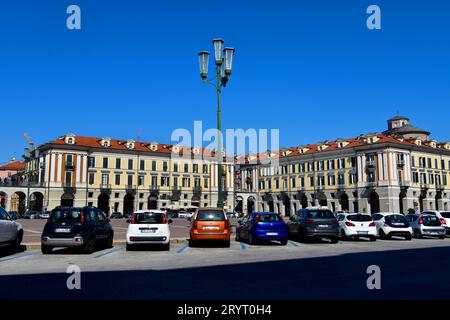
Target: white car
[(11, 232), (148, 227), (390, 225), (444, 218), (184, 214), (356, 225)]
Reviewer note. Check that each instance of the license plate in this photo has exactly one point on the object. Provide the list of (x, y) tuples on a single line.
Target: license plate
[(272, 233), (210, 228), (363, 232), (148, 231), (62, 230), (324, 225)]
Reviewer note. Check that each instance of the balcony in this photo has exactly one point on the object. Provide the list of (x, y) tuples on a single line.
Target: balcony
[(131, 188), (424, 186), (69, 187), (401, 163), (440, 186), (197, 190), (320, 187), (105, 188), (69, 166), (371, 163), (176, 194)]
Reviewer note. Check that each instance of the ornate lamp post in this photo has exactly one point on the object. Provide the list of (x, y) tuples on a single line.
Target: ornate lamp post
[(223, 58)]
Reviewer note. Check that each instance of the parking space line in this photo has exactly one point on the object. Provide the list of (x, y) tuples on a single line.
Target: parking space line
[(243, 246), (19, 256), (183, 248), (32, 231), (292, 243), (109, 252)]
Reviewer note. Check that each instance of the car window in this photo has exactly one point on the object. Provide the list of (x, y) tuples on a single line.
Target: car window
[(269, 218), (148, 218), (3, 215), (210, 215), (73, 215), (320, 214), (376, 217), (100, 217), (359, 218), (395, 218), (445, 215), (431, 221), (341, 217)]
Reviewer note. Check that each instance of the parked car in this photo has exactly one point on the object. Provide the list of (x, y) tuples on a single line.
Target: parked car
[(128, 215), (171, 214), (148, 227), (356, 225), (392, 225), (84, 228), (14, 215), (31, 215), (11, 232), (444, 218), (44, 215), (262, 226), (185, 215), (426, 225), (314, 223), (232, 215), (209, 224), (116, 215)]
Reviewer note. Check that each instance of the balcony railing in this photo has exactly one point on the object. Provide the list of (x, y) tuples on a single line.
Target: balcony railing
[(371, 163), (197, 190), (69, 187), (400, 162), (21, 184), (69, 166), (440, 186), (424, 186)]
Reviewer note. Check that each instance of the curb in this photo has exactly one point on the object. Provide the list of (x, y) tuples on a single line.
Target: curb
[(37, 245)]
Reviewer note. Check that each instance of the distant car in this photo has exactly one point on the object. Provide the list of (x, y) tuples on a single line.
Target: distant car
[(392, 225), (44, 215), (185, 215), (31, 215), (232, 215), (171, 214), (210, 224), (262, 226), (84, 228), (14, 215), (444, 218), (11, 232), (148, 227), (355, 226), (116, 215), (314, 223), (426, 225)]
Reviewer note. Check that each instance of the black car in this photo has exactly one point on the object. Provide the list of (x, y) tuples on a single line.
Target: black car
[(314, 223), (116, 215), (83, 228)]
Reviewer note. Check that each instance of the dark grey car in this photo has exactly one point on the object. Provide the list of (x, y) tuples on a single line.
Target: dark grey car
[(314, 223)]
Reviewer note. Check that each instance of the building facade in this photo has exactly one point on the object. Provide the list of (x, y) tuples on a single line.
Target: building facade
[(119, 175), (398, 170)]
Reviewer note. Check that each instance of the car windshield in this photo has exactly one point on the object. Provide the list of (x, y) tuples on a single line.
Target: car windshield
[(359, 218), (445, 215), (269, 218), (320, 214), (66, 216), (396, 218), (210, 215), (148, 218), (431, 221)]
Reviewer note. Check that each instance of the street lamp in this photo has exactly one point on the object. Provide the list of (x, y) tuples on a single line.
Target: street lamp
[(223, 58)]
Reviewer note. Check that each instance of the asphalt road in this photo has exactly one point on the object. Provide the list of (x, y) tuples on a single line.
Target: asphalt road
[(417, 269)]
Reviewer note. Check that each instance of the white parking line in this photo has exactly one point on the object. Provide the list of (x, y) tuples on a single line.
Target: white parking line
[(32, 231)]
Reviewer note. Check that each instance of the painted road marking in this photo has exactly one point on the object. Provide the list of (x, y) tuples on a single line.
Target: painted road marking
[(109, 252), (183, 248), (32, 231), (19, 256)]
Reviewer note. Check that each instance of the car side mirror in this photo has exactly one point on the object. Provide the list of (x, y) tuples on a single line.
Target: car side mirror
[(170, 221)]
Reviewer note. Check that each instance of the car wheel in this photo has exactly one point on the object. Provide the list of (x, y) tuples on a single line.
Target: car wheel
[(417, 234), (441, 237), (46, 249), (17, 242), (373, 238), (250, 239), (334, 240), (191, 243), (89, 246), (284, 242), (227, 244), (408, 238), (343, 235), (382, 234)]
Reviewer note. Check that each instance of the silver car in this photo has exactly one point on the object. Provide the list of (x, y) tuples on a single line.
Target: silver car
[(426, 225)]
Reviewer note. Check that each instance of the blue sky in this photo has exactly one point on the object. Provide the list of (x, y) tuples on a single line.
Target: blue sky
[(309, 68)]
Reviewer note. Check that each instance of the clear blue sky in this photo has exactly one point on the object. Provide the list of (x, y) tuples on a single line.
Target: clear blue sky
[(310, 68)]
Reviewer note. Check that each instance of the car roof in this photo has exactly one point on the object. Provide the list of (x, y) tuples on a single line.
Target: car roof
[(149, 211), (353, 214), (389, 213)]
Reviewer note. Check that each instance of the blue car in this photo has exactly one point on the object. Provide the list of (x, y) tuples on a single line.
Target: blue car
[(262, 226)]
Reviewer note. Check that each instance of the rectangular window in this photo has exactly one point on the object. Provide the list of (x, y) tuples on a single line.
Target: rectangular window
[(206, 183), (444, 179), (197, 182), (205, 168), (105, 179), (293, 168), (69, 160), (91, 178), (117, 180), (118, 163), (195, 168), (311, 181), (354, 162), (341, 179), (142, 165), (130, 180), (175, 182), (186, 167), (154, 181), (91, 162), (415, 177), (277, 184), (165, 166), (153, 165), (141, 180), (413, 161), (68, 178), (294, 183), (105, 163), (175, 167), (302, 181), (443, 164), (130, 164), (186, 182)]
